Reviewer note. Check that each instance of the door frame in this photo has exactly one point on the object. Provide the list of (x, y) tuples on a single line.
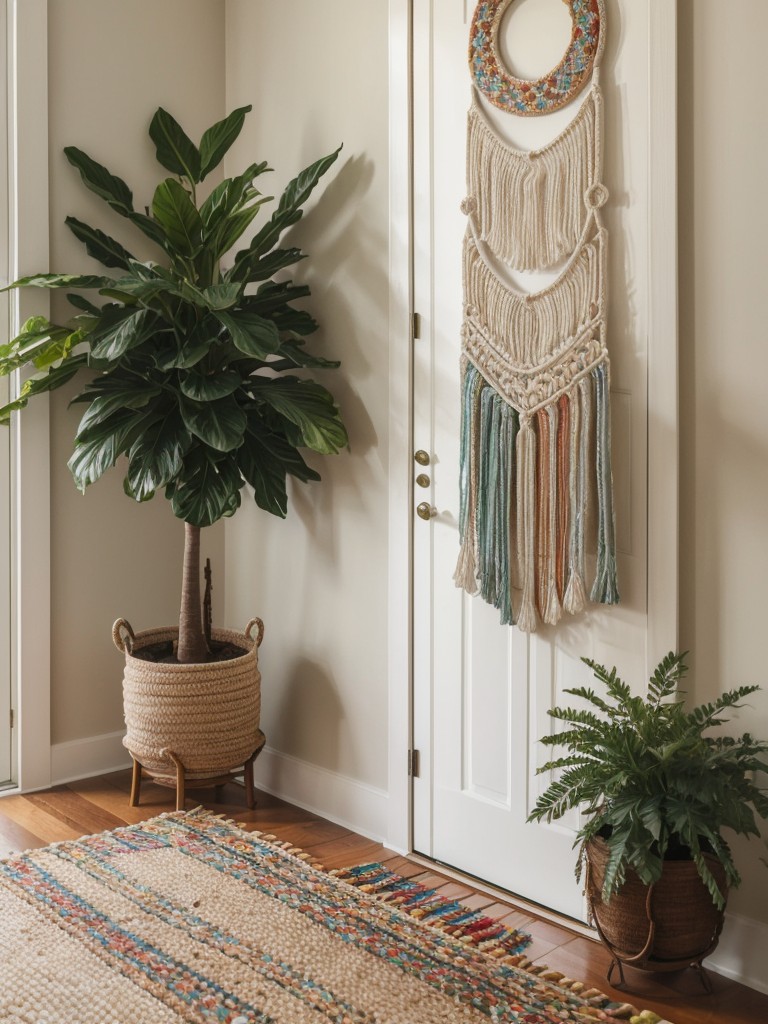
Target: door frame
[(27, 35), (663, 433)]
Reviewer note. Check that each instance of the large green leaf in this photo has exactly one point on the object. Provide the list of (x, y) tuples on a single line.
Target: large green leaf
[(203, 387), (264, 267), (265, 473), (98, 447), (60, 281), (36, 336), (288, 212), (110, 400), (230, 195), (218, 139), (199, 342), (207, 489), (174, 149), (195, 346), (220, 424), (157, 457), (99, 180), (80, 302), (55, 378), (264, 459), (221, 296), (309, 407), (235, 225), (252, 334), (297, 356), (99, 245), (125, 330), (173, 209), (150, 227), (273, 297)]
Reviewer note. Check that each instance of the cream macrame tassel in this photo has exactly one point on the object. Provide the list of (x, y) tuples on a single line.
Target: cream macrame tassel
[(575, 593), (549, 602), (528, 186)]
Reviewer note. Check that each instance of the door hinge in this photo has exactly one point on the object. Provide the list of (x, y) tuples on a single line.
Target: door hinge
[(12, 717), (416, 326), (414, 758)]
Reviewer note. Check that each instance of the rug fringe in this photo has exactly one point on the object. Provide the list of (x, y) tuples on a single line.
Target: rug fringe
[(467, 926)]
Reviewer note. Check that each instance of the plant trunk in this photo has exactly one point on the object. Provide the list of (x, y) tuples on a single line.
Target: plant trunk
[(192, 647)]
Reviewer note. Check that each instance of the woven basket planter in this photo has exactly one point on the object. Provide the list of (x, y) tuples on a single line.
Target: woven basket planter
[(671, 922), (206, 715)]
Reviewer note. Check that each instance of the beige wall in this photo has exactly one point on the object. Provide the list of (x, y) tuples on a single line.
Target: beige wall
[(316, 75), (724, 367), (110, 66)]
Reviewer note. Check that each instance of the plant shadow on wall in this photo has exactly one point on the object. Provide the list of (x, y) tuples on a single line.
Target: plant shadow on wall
[(657, 793), (348, 271), (306, 719), (196, 379)]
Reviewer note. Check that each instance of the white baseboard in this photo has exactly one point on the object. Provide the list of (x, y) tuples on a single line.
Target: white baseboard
[(81, 759), (742, 953), (342, 800)]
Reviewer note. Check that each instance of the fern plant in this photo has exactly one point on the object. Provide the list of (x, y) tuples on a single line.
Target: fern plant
[(649, 780)]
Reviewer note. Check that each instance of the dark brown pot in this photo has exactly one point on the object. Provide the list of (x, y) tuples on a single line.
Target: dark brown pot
[(672, 920)]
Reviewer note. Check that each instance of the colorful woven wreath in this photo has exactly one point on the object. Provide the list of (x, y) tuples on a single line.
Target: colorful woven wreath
[(529, 98)]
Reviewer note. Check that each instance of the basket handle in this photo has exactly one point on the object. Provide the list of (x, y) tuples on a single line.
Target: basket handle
[(259, 631), (123, 636)]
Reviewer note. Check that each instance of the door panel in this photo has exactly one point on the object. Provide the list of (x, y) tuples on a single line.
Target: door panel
[(482, 690)]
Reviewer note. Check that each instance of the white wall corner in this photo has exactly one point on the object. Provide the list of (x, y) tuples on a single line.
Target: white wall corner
[(742, 952), (337, 797), (81, 759)]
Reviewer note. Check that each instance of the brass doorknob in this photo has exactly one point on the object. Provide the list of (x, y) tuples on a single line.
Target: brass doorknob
[(426, 511), (422, 457)]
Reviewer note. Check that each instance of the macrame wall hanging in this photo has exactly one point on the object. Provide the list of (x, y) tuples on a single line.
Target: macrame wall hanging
[(536, 482)]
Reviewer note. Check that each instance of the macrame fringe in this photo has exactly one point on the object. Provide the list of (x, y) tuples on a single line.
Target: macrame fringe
[(529, 185), (526, 518), (524, 497), (529, 322), (605, 589), (576, 592)]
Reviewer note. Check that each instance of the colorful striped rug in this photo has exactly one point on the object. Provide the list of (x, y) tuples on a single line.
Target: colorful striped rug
[(450, 916), (189, 918)]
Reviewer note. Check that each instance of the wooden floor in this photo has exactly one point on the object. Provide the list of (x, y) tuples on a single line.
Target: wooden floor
[(95, 805)]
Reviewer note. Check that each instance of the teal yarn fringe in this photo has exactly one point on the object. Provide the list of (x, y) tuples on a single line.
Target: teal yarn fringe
[(493, 562), (605, 588)]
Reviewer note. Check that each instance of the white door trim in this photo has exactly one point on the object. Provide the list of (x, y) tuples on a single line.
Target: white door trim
[(663, 413), (400, 611), (31, 514)]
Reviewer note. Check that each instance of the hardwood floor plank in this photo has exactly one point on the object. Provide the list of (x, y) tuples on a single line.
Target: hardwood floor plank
[(14, 838), (37, 822), (74, 810), (95, 805)]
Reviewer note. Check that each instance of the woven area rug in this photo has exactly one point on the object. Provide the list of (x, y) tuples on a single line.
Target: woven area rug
[(189, 918)]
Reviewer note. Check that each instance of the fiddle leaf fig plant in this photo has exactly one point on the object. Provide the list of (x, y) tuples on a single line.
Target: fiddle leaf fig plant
[(194, 362), (650, 780)]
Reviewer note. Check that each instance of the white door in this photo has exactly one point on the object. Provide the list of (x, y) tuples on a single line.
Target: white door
[(482, 690)]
